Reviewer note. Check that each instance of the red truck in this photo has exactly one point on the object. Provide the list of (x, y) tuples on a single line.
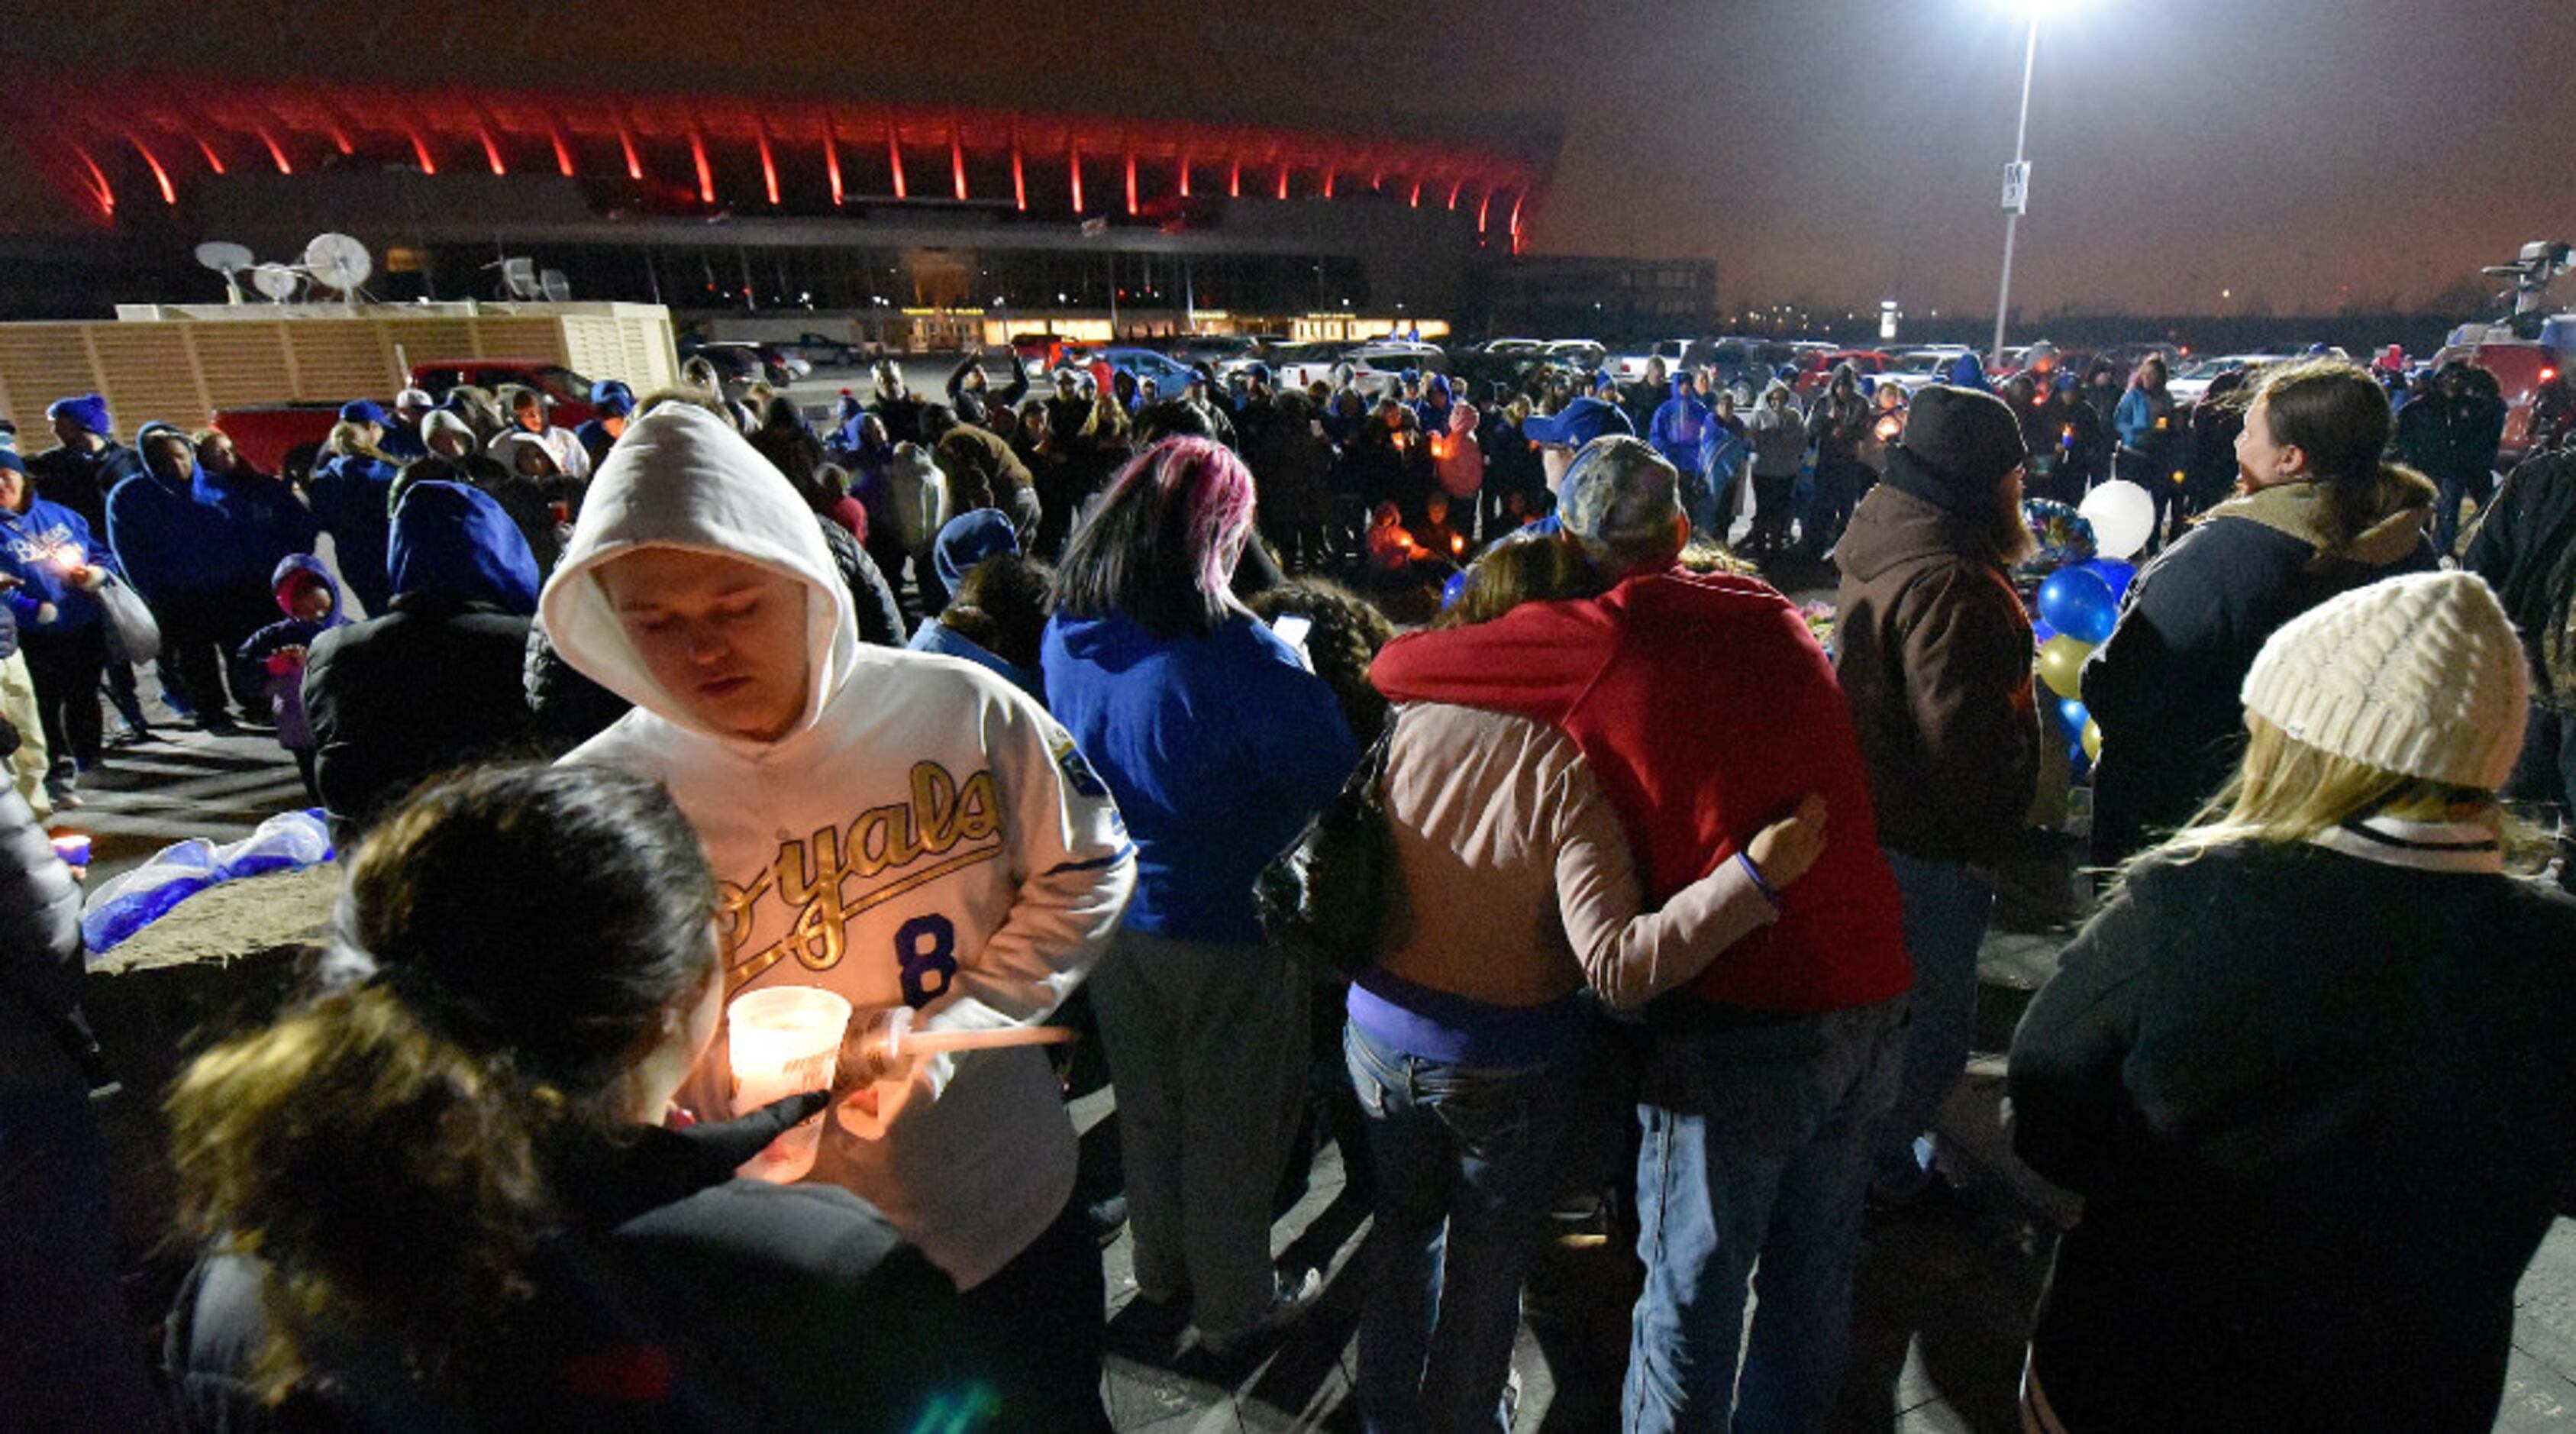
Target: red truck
[(284, 438)]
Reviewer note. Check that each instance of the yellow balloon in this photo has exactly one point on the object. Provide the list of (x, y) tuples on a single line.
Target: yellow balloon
[(2092, 740), (2061, 664)]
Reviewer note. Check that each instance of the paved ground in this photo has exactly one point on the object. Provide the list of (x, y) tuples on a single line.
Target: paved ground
[(1942, 1297)]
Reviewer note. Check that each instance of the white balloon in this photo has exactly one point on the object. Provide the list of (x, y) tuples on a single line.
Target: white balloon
[(2123, 517)]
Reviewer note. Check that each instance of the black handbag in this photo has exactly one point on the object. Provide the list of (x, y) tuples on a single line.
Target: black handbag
[(1335, 897)]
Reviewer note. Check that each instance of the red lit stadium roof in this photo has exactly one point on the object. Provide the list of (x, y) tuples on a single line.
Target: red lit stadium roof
[(114, 142)]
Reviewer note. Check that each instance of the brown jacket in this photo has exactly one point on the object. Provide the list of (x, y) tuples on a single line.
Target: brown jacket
[(1934, 653)]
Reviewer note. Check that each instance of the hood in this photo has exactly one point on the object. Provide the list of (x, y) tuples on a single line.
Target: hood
[(684, 478), (201, 485), (2402, 498), (518, 439), (969, 539), (1438, 387), (453, 544), (309, 566), (1777, 385), (1966, 371), (1462, 419), (1892, 527), (1681, 386)]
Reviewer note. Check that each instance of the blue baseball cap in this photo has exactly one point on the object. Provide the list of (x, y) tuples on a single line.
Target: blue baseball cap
[(362, 410), (611, 398), (1579, 423)]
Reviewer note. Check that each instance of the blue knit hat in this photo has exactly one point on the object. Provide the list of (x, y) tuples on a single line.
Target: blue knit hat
[(10, 460), (89, 410), (970, 538)]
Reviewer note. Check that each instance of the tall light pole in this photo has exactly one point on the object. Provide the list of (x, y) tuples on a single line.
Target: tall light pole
[(2016, 186)]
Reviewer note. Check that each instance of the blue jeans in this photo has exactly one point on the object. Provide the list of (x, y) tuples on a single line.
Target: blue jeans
[(1947, 906), (1756, 1149), (1464, 1168)]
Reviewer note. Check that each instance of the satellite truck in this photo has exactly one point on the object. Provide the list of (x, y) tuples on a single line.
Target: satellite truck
[(294, 341)]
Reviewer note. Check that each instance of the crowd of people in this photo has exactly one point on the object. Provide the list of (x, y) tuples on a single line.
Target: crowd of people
[(986, 711)]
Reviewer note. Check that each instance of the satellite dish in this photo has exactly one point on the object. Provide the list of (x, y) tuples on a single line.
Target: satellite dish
[(557, 288), (275, 281), (224, 258), (337, 261)]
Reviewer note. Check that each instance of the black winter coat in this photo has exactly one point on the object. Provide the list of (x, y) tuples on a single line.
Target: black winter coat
[(2525, 547), (2164, 687), (2321, 1111), (397, 699), (677, 1298)]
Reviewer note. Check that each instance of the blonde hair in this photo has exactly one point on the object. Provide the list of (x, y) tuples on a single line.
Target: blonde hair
[(2286, 791)]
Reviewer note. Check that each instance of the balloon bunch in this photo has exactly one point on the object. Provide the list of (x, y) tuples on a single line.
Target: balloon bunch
[(2078, 606)]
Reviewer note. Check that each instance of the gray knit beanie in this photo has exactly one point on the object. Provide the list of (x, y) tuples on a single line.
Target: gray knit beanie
[(2419, 674)]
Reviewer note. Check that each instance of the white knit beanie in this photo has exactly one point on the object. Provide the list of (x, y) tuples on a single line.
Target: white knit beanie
[(2419, 674)]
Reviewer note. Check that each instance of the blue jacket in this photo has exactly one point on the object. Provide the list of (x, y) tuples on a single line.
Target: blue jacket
[(269, 523), (350, 496), (453, 547), (1680, 428), (935, 636), (1217, 748), (286, 689), (174, 542), (1968, 371), (33, 549)]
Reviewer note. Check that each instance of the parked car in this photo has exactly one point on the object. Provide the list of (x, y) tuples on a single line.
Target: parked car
[(1296, 365), (1630, 366), (1212, 349), (1582, 355), (1378, 366), (773, 362), (1816, 368), (2189, 380), (819, 349), (737, 366), (1915, 368), (1169, 374)]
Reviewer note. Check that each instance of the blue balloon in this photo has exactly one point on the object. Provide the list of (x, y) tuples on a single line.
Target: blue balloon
[(2070, 710), (2079, 604), (2040, 633), (2114, 574)]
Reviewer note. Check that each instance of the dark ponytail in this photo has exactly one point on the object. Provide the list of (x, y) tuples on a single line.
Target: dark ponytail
[(384, 1148)]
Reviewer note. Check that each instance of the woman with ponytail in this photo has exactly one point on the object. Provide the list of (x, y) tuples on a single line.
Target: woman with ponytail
[(443, 1194), (2317, 513)]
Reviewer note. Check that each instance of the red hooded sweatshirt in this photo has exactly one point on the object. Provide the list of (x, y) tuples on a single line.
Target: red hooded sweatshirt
[(1706, 710)]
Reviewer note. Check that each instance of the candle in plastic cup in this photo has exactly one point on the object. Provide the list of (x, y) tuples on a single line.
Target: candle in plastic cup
[(785, 1040)]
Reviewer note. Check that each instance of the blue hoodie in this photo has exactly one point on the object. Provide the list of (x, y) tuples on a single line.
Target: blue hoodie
[(1680, 427), (350, 496), (173, 540), (1218, 750), (36, 547), (286, 689), (452, 546), (1968, 371), (268, 522)]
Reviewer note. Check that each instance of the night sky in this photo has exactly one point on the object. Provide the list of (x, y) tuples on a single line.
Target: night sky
[(2299, 156)]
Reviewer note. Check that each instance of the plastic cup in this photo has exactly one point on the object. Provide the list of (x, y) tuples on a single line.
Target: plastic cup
[(785, 1040)]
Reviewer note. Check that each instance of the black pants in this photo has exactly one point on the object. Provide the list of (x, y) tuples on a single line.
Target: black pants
[(1045, 1316), (199, 632), (65, 667)]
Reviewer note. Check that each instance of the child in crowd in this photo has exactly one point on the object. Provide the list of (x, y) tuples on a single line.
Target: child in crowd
[(311, 601)]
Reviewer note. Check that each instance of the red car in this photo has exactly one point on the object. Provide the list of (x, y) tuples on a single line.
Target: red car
[(1815, 370), (284, 438)]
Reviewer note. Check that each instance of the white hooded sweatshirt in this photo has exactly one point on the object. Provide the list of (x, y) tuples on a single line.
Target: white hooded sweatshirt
[(925, 835)]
